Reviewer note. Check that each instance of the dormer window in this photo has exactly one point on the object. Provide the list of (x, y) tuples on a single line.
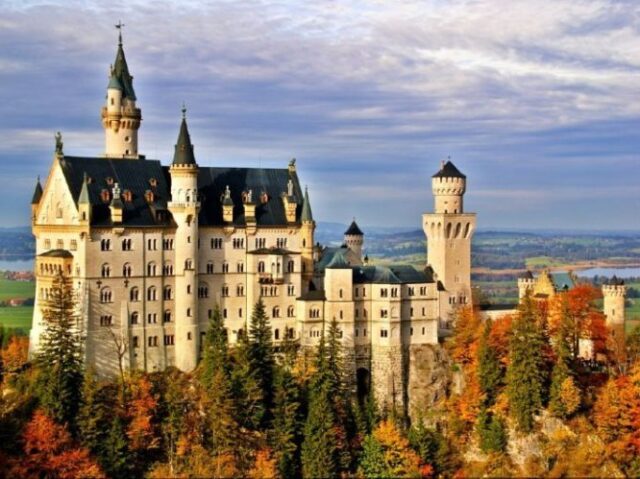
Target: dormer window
[(109, 181), (127, 196), (105, 195), (264, 197), (149, 196), (153, 182)]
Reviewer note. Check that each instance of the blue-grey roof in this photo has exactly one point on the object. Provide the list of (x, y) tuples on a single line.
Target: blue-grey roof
[(394, 274), (562, 281), (141, 175)]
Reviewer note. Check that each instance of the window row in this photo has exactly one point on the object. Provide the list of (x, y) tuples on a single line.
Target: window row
[(127, 244), (73, 244)]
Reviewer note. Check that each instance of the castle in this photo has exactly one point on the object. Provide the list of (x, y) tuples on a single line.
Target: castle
[(152, 249)]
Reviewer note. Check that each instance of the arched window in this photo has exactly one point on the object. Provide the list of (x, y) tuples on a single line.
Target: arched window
[(290, 266), (276, 334), (152, 294), (188, 312), (240, 290), (135, 317), (188, 264), (167, 316), (106, 270), (106, 295), (105, 245), (126, 270), (134, 295), (167, 269), (151, 269), (126, 244), (275, 313), (261, 267), (290, 311), (203, 291), (167, 293), (210, 267), (340, 293)]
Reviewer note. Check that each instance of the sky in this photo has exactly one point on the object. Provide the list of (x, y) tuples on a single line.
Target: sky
[(536, 101)]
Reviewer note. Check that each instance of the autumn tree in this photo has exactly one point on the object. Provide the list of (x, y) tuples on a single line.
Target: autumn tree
[(59, 357), (386, 453), (15, 355), (463, 343), (49, 451), (142, 428), (526, 370)]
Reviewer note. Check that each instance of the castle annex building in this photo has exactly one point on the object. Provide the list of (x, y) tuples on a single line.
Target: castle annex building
[(151, 249)]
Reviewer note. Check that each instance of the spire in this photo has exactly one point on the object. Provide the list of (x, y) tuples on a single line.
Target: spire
[(84, 192), (448, 170), (353, 229), (306, 207), (121, 69), (184, 149), (37, 194), (114, 83)]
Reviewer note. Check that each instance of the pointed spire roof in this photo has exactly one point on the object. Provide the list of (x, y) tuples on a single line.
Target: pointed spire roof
[(448, 170), (184, 149), (121, 72), (114, 83), (37, 193), (83, 199), (353, 229), (306, 207)]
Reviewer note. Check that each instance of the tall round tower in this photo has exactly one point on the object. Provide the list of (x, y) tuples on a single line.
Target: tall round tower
[(120, 116), (614, 293), (449, 231), (354, 239), (184, 207)]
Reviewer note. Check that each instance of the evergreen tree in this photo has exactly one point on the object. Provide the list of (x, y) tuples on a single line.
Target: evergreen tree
[(319, 448), (491, 432), (490, 371), (372, 460), (247, 394), (60, 356), (115, 457), (215, 349), (525, 372), (286, 435), (261, 357)]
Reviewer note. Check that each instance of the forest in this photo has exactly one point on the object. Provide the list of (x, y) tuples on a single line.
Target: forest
[(522, 400)]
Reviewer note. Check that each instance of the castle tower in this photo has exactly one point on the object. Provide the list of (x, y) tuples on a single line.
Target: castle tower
[(184, 207), (354, 239), (525, 284), (120, 117), (614, 295), (307, 230), (35, 200), (449, 231)]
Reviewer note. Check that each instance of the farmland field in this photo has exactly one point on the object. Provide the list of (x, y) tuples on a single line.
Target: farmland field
[(19, 317), (16, 289)]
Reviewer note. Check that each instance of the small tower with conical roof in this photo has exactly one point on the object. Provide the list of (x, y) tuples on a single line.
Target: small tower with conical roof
[(307, 230), (35, 200), (449, 231), (614, 292), (84, 202), (184, 207), (354, 239), (120, 116)]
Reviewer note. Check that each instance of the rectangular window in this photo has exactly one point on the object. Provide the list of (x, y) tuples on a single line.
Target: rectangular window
[(384, 333), (168, 339), (73, 246), (47, 244), (135, 341)]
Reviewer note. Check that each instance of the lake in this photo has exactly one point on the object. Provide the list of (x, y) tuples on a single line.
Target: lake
[(17, 265), (609, 272)]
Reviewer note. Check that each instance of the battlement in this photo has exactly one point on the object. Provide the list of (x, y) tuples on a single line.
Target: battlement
[(448, 186), (619, 290)]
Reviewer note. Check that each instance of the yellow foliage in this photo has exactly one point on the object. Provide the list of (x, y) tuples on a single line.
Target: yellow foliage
[(570, 395), (264, 466)]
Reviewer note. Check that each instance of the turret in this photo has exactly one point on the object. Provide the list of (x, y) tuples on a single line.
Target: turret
[(449, 231), (614, 292), (184, 207), (525, 283), (35, 200), (449, 186), (84, 203), (354, 239), (307, 229), (120, 117)]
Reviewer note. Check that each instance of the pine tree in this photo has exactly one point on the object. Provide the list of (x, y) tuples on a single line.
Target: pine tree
[(60, 356), (525, 372), (561, 404), (261, 357), (286, 435), (372, 460), (247, 394), (491, 432), (215, 349), (116, 458), (490, 372)]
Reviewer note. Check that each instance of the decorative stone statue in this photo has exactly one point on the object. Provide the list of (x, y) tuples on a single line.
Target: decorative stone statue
[(59, 144)]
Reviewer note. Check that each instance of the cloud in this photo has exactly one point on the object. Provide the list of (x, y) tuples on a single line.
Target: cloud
[(525, 95)]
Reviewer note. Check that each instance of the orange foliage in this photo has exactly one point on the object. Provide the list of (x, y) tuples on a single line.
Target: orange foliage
[(464, 342), (16, 353), (50, 452), (142, 431), (264, 466), (499, 337), (401, 460), (617, 415)]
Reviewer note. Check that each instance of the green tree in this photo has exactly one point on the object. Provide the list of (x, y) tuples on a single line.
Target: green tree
[(261, 357), (372, 460), (215, 349), (287, 423), (491, 432), (59, 358), (526, 369), (490, 371), (246, 391)]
